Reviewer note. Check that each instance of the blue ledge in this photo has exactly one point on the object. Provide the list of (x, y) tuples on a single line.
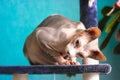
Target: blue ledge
[(61, 69)]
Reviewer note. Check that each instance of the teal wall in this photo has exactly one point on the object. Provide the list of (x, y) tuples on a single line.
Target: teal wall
[(113, 57), (18, 18)]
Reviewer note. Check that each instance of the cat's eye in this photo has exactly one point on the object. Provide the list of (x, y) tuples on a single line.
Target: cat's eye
[(77, 43)]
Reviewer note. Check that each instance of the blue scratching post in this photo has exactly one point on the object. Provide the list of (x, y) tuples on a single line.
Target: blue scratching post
[(60, 69), (88, 13)]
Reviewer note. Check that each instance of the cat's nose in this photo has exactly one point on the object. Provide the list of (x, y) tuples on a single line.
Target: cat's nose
[(79, 55), (68, 52)]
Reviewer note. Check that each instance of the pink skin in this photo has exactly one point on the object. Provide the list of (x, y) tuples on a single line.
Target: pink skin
[(54, 42)]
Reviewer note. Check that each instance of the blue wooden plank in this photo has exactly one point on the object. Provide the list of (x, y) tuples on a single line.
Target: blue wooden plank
[(58, 69)]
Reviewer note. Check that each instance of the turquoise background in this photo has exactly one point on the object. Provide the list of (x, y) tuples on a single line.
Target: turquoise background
[(18, 18)]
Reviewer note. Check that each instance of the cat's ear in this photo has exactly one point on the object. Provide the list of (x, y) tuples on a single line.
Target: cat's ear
[(97, 54), (94, 32)]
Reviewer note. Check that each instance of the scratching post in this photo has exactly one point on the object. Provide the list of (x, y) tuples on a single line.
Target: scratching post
[(90, 76), (89, 61), (57, 69), (21, 72), (88, 16)]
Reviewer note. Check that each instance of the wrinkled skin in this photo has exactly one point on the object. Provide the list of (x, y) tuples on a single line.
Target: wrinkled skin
[(59, 41)]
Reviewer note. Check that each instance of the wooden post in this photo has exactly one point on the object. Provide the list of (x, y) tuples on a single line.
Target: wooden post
[(89, 61), (20, 76), (90, 76)]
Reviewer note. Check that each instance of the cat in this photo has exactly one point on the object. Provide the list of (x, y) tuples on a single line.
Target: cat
[(59, 41)]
